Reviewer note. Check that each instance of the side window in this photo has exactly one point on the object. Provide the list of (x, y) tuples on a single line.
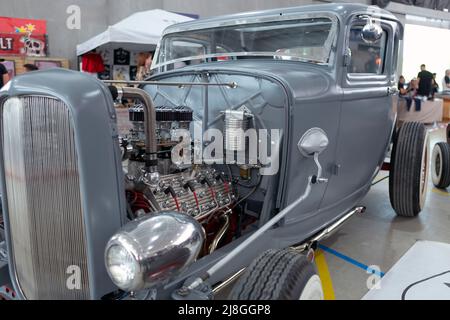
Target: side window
[(181, 49), (366, 58)]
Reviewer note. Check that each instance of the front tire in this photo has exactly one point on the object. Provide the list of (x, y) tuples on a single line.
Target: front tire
[(408, 176), (279, 275), (440, 160)]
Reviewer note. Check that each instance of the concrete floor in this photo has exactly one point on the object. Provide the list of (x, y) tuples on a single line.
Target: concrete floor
[(378, 237)]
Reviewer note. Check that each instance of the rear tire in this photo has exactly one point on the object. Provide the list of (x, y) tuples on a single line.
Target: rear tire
[(440, 161), (279, 275), (408, 176)]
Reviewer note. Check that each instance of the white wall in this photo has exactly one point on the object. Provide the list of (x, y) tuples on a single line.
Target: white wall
[(426, 45)]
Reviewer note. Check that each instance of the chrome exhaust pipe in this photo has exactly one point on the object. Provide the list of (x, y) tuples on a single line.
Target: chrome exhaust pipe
[(331, 229), (220, 234), (149, 120), (219, 287), (327, 232)]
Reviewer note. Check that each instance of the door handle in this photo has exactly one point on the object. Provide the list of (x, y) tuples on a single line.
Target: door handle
[(392, 91)]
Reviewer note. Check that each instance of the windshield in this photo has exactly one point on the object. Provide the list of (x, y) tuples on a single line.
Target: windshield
[(308, 40)]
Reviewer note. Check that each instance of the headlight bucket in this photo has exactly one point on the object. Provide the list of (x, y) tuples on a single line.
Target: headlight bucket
[(151, 250)]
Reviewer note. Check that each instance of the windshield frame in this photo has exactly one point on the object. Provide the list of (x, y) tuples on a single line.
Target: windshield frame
[(330, 44)]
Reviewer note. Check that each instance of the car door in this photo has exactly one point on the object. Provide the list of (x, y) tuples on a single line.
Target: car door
[(368, 113)]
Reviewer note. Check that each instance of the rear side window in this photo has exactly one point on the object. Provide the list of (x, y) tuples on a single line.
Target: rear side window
[(366, 58)]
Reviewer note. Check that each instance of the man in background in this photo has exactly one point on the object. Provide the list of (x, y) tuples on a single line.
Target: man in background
[(425, 79), (4, 76)]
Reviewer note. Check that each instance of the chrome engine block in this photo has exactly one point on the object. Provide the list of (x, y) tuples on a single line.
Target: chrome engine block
[(197, 192)]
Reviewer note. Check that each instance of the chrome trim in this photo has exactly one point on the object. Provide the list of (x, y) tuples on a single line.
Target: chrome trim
[(221, 233), (231, 85), (327, 232), (44, 223), (151, 147), (219, 287), (268, 17)]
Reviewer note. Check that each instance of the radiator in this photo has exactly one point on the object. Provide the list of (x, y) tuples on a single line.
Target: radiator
[(45, 214)]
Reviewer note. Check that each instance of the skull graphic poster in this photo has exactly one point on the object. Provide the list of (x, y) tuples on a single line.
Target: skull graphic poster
[(23, 44), (23, 37)]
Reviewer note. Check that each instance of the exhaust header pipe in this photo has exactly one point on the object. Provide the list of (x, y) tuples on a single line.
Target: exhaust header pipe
[(149, 121)]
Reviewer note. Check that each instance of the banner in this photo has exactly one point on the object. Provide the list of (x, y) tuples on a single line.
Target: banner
[(23, 44), (23, 37), (16, 25)]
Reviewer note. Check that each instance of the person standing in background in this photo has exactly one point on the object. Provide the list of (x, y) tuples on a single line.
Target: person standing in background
[(434, 86), (144, 63), (4, 76), (446, 81), (425, 79)]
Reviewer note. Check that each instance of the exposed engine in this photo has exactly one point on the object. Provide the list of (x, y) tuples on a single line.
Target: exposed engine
[(198, 192), (202, 191)]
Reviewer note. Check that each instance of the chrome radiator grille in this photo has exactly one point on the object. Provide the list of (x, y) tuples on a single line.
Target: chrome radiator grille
[(43, 197)]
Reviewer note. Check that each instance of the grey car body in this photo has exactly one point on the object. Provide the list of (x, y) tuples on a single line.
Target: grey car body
[(355, 110)]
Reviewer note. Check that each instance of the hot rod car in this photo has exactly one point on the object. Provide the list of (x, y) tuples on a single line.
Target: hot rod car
[(256, 137)]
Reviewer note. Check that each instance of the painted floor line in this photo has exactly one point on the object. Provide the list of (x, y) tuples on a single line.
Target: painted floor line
[(351, 260), (441, 192), (324, 274)]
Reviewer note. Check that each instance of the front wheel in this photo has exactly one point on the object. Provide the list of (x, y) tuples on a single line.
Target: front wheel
[(279, 275)]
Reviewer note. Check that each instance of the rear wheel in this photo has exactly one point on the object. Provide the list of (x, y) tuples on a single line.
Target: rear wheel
[(279, 275), (440, 160), (408, 176)]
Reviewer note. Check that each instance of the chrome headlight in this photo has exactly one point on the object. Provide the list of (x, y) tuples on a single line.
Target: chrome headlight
[(152, 250), (121, 265)]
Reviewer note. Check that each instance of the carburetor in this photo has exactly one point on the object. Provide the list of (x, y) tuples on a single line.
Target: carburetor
[(167, 120)]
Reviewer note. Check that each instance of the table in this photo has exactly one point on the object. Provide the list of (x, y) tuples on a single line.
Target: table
[(431, 111)]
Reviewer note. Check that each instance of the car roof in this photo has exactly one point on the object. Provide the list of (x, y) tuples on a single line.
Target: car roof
[(341, 9)]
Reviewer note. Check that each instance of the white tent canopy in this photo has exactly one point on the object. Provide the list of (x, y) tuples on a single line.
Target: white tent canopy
[(140, 31)]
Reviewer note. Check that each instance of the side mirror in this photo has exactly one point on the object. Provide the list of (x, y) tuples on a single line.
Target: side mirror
[(315, 140), (371, 32)]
